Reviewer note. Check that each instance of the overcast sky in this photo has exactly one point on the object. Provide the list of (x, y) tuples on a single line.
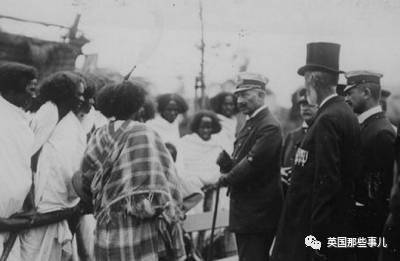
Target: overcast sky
[(160, 36)]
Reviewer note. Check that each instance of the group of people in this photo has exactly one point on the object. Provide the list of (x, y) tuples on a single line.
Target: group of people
[(95, 171), (91, 173)]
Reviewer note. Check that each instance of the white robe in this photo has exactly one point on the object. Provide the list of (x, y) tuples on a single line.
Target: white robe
[(196, 161), (43, 123), (60, 158), (228, 132), (169, 132), (16, 146), (94, 119)]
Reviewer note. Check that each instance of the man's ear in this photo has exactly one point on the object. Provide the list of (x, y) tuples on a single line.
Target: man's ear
[(367, 92)]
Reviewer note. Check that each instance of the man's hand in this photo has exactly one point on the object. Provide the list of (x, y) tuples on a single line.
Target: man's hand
[(223, 180), (224, 162)]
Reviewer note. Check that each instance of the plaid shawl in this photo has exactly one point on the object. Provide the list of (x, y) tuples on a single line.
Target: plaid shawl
[(129, 238), (131, 171)]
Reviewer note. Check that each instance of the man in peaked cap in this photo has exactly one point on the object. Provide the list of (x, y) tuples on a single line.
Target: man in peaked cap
[(253, 173), (319, 202), (363, 91)]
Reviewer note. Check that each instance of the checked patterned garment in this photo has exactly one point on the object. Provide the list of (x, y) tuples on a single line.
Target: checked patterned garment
[(135, 193), (129, 238)]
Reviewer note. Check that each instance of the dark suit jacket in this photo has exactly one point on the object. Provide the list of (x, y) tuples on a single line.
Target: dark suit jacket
[(320, 198), (392, 226), (292, 142), (254, 182), (376, 178)]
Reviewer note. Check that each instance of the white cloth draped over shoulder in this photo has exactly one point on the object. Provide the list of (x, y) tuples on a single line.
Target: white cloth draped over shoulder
[(93, 120), (16, 146), (228, 132), (60, 158), (169, 132), (43, 123), (196, 163)]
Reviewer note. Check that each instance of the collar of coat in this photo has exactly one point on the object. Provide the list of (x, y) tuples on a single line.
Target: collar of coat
[(333, 100), (261, 114), (378, 115)]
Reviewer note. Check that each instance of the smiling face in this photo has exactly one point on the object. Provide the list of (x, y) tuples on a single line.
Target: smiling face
[(171, 111), (228, 106), (205, 128)]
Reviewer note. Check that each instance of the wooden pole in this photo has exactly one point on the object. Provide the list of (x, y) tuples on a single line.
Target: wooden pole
[(202, 50)]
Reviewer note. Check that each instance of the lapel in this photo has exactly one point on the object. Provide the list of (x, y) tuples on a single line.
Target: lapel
[(250, 123), (370, 119)]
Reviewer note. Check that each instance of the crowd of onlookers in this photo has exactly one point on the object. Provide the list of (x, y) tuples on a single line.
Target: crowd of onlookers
[(93, 169)]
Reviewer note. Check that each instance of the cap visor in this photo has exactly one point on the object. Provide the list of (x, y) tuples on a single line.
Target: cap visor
[(348, 87), (243, 89)]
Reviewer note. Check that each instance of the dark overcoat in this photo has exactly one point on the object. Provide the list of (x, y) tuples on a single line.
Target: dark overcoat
[(376, 178), (255, 184), (320, 198)]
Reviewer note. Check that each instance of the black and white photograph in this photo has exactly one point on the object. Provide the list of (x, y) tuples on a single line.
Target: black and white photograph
[(199, 130)]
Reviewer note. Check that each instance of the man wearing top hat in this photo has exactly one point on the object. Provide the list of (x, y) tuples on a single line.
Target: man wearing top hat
[(319, 203), (363, 92), (253, 173), (295, 137)]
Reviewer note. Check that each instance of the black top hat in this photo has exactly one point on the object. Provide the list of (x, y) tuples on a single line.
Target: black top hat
[(322, 57)]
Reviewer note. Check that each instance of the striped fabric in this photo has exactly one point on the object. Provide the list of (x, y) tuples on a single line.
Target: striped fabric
[(129, 238), (135, 193)]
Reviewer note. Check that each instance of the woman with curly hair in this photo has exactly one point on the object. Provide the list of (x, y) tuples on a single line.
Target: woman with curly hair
[(198, 152), (224, 104), (59, 158), (169, 106), (59, 94), (129, 176)]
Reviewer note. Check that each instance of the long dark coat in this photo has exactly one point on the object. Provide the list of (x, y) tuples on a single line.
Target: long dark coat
[(320, 198), (255, 186), (376, 178)]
